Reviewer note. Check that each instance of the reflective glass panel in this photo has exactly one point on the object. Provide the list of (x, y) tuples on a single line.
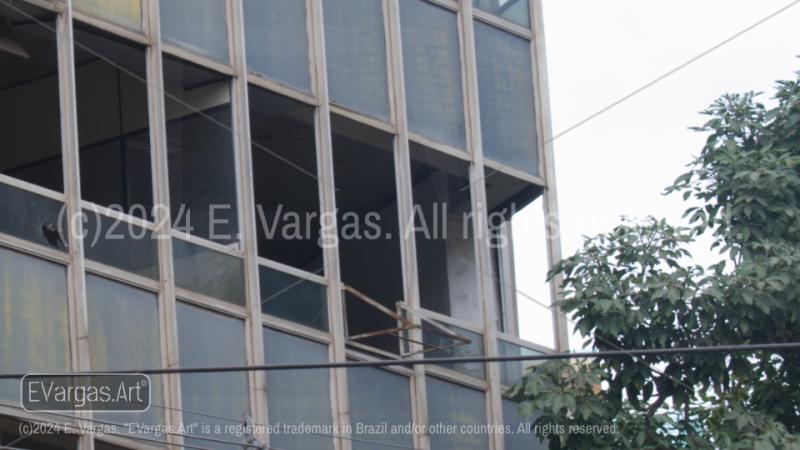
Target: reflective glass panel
[(127, 13), (371, 392), (459, 349), (455, 405), (293, 298), (120, 244), (196, 25), (513, 10), (208, 272)]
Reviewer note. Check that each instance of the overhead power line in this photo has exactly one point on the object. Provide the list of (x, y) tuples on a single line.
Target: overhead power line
[(435, 361)]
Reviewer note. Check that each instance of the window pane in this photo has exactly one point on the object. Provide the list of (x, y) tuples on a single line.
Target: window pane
[(451, 404), (202, 168), (29, 102), (39, 224), (379, 397), (474, 348), (113, 123), (355, 46), (9, 436), (127, 13), (277, 41), (292, 298), (521, 436), (285, 180), (447, 265), (505, 84), (512, 372), (196, 25), (208, 272), (123, 335), (297, 397), (432, 65), (34, 335), (513, 10), (209, 339), (121, 244)]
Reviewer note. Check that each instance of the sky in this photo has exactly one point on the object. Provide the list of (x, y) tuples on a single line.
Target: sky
[(619, 163)]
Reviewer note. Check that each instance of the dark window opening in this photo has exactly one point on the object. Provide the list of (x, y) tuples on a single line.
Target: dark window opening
[(113, 126), (448, 273), (9, 436), (285, 180), (30, 111), (202, 169), (369, 236)]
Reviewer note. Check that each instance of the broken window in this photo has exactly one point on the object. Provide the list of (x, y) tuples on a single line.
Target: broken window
[(202, 168), (30, 111), (448, 273), (292, 298), (116, 344), (207, 339), (455, 405), (297, 397), (277, 41), (369, 236), (513, 10), (208, 272), (285, 180), (127, 13), (31, 341), (371, 390), (196, 25), (432, 66), (43, 221), (110, 78), (507, 108), (355, 47)]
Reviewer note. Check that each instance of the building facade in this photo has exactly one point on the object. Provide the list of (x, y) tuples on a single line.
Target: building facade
[(194, 183)]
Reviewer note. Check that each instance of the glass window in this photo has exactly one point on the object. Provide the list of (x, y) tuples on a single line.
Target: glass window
[(293, 298), (447, 266), (123, 335), (43, 221), (513, 10), (113, 123), (369, 241), (34, 332), (355, 46), (512, 372), (202, 167), (208, 272), (521, 436), (196, 25), (30, 111), (9, 436), (456, 349), (277, 41), (297, 397), (371, 392), (285, 180), (455, 405), (209, 339), (127, 13), (432, 66), (505, 85), (120, 244)]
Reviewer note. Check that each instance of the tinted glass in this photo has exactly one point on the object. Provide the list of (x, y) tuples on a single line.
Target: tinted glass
[(513, 10), (505, 84), (196, 25), (355, 46), (39, 224), (371, 391), (432, 65), (208, 272), (459, 349), (521, 436), (277, 41), (120, 244), (512, 372), (293, 298), (127, 13), (454, 405)]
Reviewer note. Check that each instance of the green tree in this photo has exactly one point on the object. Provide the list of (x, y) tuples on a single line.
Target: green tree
[(637, 287)]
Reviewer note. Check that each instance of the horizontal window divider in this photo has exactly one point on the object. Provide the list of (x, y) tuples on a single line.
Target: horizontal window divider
[(444, 148), (368, 348), (447, 320), (456, 377), (33, 249), (295, 329), (117, 30), (404, 371), (30, 187), (122, 276), (502, 24), (523, 343), (299, 273), (361, 118), (522, 175), (282, 89), (114, 214), (194, 58), (449, 4), (192, 239), (126, 442), (210, 303)]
